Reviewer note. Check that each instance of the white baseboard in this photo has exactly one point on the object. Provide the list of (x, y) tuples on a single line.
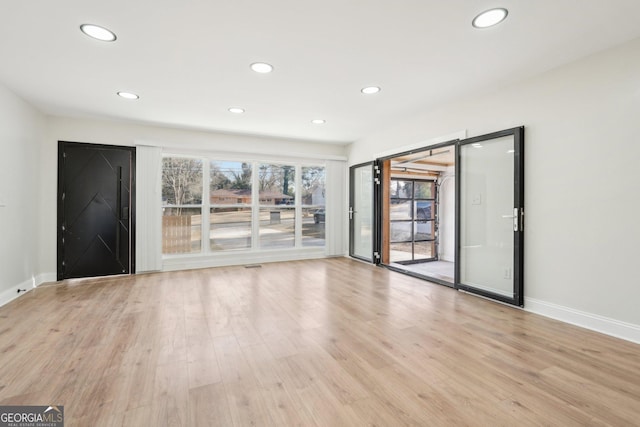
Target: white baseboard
[(605, 325), (45, 278), (12, 293)]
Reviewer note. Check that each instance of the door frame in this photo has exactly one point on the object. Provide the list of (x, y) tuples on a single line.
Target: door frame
[(450, 143), (518, 202), (60, 202)]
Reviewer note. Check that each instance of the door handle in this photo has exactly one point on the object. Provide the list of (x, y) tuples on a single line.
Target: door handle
[(351, 212), (518, 219), (119, 207)]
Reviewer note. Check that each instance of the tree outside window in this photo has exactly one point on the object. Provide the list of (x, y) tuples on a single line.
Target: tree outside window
[(182, 205)]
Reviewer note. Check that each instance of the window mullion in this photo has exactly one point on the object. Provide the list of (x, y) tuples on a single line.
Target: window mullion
[(298, 208), (206, 212), (255, 206)]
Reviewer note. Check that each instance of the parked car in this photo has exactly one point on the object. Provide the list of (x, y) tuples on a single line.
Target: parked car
[(318, 216)]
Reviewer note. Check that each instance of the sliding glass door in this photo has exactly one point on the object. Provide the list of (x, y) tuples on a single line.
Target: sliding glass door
[(489, 212), (490, 215)]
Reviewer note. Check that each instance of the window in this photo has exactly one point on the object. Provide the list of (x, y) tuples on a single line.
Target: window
[(181, 205), (313, 205), (277, 227), (276, 193), (249, 206), (277, 184), (230, 200)]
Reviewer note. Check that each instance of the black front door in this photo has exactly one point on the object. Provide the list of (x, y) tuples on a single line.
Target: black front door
[(95, 210)]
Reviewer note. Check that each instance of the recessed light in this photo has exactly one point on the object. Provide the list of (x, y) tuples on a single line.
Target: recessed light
[(262, 67), (476, 145), (489, 18), (511, 151), (98, 33), (370, 90), (318, 121), (128, 95), (236, 110)]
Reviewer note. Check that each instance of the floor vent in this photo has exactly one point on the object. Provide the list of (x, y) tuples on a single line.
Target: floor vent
[(253, 266)]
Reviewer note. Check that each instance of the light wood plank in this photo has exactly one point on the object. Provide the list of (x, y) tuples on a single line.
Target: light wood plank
[(319, 342)]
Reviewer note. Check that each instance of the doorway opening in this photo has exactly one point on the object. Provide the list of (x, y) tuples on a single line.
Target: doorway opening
[(418, 213)]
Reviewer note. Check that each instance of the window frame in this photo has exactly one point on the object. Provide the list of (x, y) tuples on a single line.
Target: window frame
[(186, 206), (255, 205), (207, 190)]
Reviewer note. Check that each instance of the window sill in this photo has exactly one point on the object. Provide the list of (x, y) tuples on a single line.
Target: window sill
[(192, 261)]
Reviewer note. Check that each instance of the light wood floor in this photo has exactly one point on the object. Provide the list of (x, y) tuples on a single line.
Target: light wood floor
[(443, 270), (324, 342)]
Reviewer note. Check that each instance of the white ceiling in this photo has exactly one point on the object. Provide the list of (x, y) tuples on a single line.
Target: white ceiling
[(189, 59)]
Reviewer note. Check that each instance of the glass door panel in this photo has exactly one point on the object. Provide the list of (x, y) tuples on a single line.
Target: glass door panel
[(425, 190), (401, 251), (412, 220), (361, 213), (489, 218), (400, 210), (424, 230), (424, 250)]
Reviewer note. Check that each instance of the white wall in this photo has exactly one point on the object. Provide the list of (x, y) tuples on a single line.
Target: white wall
[(127, 134), (21, 133), (582, 124)]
